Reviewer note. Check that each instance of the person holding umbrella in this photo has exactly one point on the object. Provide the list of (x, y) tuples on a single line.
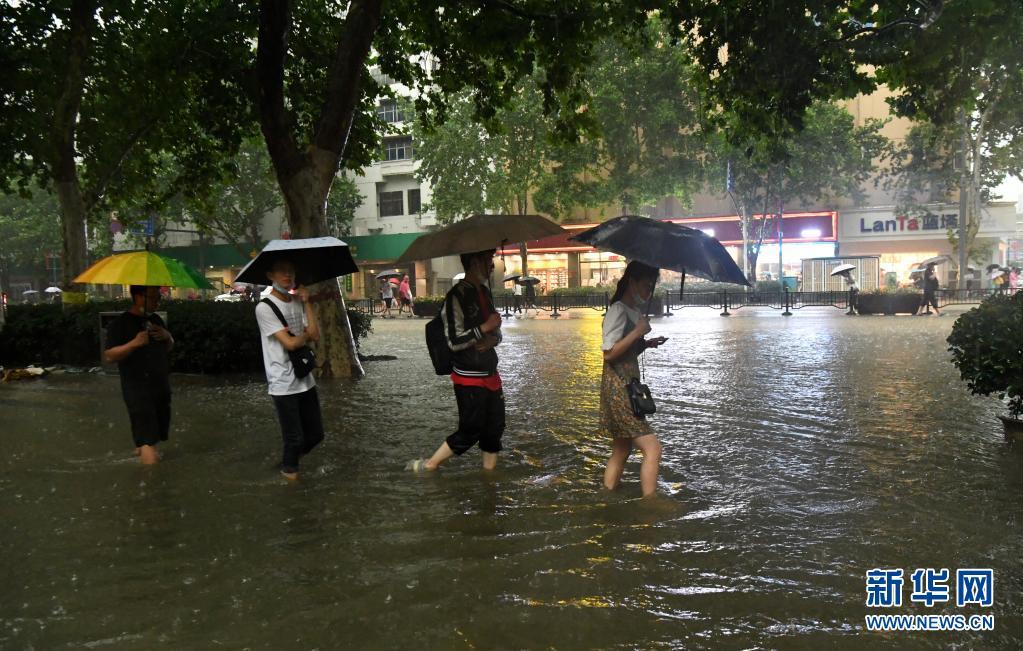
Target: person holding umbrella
[(845, 271), (930, 287), (295, 399), (287, 323), (623, 342), (138, 339), (473, 329), (139, 342), (387, 296)]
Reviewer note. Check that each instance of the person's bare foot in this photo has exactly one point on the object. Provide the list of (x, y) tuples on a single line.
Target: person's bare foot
[(138, 451), (290, 476), (148, 455)]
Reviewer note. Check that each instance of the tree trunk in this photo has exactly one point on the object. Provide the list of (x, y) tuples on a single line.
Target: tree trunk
[(305, 196), (305, 177), (72, 225), (62, 141)]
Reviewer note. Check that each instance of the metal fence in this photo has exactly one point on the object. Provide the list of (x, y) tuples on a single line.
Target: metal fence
[(673, 301)]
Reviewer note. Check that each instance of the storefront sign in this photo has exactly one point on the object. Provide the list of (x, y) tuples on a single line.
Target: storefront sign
[(904, 224)]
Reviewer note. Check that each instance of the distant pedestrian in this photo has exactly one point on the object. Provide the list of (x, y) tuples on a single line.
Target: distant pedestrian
[(531, 298), (405, 296), (387, 296), (1014, 278), (517, 295), (138, 340), (473, 329), (931, 287), (854, 290), (623, 331)]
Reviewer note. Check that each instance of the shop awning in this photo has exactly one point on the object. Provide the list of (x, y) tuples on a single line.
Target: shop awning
[(379, 248), (212, 255)]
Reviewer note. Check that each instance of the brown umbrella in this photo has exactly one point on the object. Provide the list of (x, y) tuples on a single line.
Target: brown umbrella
[(479, 233)]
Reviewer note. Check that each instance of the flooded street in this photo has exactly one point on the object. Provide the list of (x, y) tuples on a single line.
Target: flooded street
[(799, 453)]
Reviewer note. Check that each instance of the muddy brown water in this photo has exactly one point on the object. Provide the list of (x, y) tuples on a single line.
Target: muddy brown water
[(798, 454)]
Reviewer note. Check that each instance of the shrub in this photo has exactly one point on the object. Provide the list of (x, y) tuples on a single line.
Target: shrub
[(987, 349), (209, 337), (892, 291)]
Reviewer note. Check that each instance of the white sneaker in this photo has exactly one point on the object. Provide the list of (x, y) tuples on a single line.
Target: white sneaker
[(416, 465)]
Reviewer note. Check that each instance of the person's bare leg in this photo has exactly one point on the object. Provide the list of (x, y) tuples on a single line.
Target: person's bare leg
[(138, 451), (489, 460), (148, 455), (620, 449), (443, 453), (651, 449)]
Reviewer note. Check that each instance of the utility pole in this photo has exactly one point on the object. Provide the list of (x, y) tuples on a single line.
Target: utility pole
[(781, 269), (964, 196)]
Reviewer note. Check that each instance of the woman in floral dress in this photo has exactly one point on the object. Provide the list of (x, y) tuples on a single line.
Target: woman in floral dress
[(623, 343)]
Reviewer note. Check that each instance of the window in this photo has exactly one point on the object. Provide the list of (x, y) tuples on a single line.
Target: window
[(391, 204), (398, 148), (390, 111), (414, 206)]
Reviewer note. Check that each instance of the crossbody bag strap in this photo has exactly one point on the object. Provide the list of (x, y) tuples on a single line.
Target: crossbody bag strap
[(614, 365), (280, 316)]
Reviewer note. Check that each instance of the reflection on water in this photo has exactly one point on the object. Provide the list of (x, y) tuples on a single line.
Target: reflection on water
[(798, 454)]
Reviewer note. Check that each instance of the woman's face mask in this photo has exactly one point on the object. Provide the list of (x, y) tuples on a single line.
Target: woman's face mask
[(641, 290)]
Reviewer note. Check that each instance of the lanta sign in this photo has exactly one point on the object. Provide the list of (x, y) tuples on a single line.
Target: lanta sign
[(904, 224)]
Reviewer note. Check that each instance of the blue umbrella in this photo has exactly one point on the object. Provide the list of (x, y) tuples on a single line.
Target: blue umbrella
[(665, 245)]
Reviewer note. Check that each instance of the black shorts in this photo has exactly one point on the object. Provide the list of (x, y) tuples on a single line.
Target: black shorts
[(480, 419), (150, 419), (387, 301)]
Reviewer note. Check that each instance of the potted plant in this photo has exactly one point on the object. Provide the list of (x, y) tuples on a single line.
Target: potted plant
[(987, 349), (427, 306)]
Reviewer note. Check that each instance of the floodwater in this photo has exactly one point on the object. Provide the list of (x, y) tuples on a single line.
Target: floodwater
[(799, 453)]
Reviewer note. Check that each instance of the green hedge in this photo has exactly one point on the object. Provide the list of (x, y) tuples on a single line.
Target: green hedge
[(209, 337)]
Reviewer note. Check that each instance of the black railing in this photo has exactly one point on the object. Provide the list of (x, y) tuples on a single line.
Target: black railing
[(673, 300)]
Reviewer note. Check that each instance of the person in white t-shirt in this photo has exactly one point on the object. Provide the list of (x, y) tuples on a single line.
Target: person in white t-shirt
[(295, 399)]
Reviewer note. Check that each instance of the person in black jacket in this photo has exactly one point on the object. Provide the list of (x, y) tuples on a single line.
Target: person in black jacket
[(473, 329)]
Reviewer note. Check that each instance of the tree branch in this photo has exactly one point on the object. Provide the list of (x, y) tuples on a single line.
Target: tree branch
[(271, 49), (69, 102), (345, 86)]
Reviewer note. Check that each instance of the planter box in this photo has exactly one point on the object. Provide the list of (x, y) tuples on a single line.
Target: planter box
[(888, 303), (1013, 428), (426, 309)]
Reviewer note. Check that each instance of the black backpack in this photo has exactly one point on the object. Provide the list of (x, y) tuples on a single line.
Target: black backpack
[(437, 344)]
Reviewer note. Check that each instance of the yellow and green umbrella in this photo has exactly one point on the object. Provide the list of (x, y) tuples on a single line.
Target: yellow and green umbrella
[(143, 268)]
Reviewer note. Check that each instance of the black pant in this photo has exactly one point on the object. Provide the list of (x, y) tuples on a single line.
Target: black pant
[(480, 419), (301, 425), (930, 298), (518, 300)]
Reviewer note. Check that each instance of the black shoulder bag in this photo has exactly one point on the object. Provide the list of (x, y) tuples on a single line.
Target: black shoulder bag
[(303, 358)]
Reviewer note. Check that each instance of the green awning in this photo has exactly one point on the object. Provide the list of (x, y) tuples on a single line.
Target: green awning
[(379, 248), (213, 255)]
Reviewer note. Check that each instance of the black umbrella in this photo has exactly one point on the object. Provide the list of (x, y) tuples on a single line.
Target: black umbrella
[(315, 259), (511, 277), (528, 280), (665, 245)]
